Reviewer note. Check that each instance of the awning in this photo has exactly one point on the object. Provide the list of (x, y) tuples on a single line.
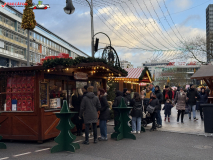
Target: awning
[(203, 72), (133, 72)]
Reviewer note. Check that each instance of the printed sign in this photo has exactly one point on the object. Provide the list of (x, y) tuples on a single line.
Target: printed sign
[(81, 75)]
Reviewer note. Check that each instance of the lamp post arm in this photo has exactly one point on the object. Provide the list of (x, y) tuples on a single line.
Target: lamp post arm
[(105, 35), (89, 5)]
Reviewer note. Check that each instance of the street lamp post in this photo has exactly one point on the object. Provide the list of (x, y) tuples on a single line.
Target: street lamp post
[(69, 9)]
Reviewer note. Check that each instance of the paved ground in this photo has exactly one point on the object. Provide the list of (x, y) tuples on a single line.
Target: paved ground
[(189, 126), (149, 145)]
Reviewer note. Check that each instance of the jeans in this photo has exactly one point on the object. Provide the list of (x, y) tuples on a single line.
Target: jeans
[(103, 128), (167, 115), (87, 131), (180, 112), (158, 117), (138, 120), (193, 109)]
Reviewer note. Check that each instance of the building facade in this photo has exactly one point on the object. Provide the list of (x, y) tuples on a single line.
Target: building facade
[(13, 41), (209, 32), (126, 64)]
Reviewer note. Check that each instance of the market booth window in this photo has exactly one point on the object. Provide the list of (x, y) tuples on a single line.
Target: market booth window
[(17, 93)]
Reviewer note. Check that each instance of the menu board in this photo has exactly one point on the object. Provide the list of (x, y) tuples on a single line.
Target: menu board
[(43, 94)]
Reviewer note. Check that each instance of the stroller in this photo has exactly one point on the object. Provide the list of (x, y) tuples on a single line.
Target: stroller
[(146, 117)]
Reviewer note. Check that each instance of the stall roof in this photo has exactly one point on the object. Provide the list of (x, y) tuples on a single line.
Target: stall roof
[(133, 72), (203, 72)]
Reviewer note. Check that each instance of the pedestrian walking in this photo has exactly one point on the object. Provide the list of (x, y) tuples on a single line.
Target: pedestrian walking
[(192, 96), (104, 115), (154, 103), (167, 109), (180, 101), (89, 106), (136, 113), (159, 96), (203, 98)]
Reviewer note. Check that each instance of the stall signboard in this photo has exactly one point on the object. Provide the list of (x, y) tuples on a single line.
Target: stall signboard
[(81, 75), (80, 84)]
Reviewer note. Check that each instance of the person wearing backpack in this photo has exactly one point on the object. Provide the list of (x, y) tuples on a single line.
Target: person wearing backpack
[(136, 113)]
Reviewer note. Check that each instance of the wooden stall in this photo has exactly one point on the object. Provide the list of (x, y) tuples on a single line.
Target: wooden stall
[(29, 96), (133, 80), (205, 73)]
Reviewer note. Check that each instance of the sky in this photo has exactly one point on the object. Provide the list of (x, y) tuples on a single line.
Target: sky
[(140, 30)]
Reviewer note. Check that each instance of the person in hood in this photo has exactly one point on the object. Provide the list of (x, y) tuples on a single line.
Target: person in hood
[(117, 101), (154, 103), (159, 96), (203, 98), (89, 108), (104, 115), (126, 95), (192, 96)]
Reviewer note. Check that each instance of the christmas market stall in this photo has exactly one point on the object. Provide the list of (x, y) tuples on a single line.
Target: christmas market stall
[(205, 74), (136, 79), (29, 96)]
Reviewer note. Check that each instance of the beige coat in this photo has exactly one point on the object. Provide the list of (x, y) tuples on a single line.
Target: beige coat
[(180, 101)]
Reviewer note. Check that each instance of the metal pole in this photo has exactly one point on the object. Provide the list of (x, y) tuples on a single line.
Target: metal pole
[(28, 47), (92, 29)]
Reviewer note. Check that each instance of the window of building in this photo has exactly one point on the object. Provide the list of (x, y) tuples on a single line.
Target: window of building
[(14, 63), (4, 62)]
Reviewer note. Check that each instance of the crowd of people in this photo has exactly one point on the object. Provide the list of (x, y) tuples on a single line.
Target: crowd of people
[(145, 104)]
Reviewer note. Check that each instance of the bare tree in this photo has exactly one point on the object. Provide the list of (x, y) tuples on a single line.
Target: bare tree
[(196, 48)]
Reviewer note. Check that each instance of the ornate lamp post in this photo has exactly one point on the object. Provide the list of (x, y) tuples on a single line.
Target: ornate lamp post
[(69, 9)]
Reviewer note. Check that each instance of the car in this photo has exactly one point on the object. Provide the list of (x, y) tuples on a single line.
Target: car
[(41, 6)]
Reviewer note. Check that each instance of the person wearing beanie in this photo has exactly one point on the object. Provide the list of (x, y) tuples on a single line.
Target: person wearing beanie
[(127, 95), (192, 98), (159, 96), (203, 98), (104, 115)]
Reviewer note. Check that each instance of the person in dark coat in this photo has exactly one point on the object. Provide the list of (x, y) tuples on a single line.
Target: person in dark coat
[(89, 107), (203, 98), (167, 109), (127, 95), (159, 96), (117, 101), (207, 91), (192, 98), (76, 102), (104, 115), (154, 103), (136, 113), (167, 94), (84, 89)]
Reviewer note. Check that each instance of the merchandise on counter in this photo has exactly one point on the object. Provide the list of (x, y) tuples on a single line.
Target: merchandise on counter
[(19, 82), (8, 90), (14, 82), (24, 105), (9, 81), (24, 82), (14, 105), (29, 105), (8, 105), (19, 104)]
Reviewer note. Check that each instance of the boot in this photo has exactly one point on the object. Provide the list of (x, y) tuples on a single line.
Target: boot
[(168, 119), (165, 119)]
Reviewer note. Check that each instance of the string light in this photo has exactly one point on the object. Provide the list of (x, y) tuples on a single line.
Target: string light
[(67, 69), (47, 70)]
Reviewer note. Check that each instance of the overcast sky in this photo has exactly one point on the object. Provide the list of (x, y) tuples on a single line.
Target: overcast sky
[(143, 24)]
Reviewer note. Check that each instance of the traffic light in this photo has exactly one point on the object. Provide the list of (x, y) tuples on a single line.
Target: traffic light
[(96, 45)]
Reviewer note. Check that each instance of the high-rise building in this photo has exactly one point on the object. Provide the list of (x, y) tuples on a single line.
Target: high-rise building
[(13, 41), (126, 64), (209, 32)]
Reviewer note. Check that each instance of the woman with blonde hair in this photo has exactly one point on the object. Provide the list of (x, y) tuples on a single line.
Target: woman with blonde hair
[(76, 102)]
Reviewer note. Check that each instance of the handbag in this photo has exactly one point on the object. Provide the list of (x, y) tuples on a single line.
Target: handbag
[(150, 109)]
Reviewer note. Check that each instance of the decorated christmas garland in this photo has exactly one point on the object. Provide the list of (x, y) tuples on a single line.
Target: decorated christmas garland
[(67, 62), (144, 72)]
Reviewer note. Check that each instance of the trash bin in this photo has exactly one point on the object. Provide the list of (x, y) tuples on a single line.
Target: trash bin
[(208, 117)]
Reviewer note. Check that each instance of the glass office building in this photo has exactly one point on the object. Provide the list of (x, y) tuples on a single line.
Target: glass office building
[(13, 41), (209, 32)]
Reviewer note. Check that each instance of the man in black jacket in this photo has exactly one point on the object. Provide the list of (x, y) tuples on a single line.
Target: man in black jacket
[(192, 96), (126, 95), (160, 99)]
